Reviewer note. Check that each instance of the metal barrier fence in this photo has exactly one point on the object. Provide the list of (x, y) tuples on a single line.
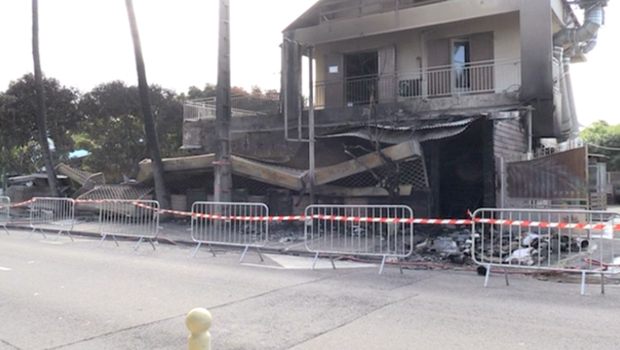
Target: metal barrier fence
[(53, 214), (231, 224), (546, 240), (129, 218), (360, 230), (241, 106), (5, 212)]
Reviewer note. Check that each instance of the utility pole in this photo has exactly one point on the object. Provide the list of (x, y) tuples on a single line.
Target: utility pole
[(223, 177)]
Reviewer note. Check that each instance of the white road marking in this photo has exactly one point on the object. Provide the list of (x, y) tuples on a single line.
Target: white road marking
[(53, 242), (63, 241), (264, 266), (290, 262), (5, 269)]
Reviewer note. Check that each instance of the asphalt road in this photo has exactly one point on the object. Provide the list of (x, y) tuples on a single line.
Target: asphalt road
[(75, 295)]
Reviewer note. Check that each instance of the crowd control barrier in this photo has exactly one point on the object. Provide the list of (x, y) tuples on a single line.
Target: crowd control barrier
[(129, 218), (52, 214), (577, 241), (230, 224), (359, 230), (5, 212)]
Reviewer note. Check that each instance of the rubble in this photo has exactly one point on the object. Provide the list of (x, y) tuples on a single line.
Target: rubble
[(453, 244)]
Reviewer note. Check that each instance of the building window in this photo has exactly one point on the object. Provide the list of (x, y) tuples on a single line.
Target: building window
[(361, 77), (460, 64)]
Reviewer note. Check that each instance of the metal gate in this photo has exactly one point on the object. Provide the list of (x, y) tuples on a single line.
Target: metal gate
[(53, 214), (555, 178), (231, 224), (551, 181), (5, 212), (359, 230), (545, 240)]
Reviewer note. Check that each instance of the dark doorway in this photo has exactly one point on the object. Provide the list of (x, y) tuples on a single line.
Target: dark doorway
[(361, 76), (461, 180)]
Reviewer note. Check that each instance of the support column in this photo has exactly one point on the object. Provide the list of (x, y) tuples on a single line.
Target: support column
[(488, 165), (291, 88), (311, 140), (434, 178)]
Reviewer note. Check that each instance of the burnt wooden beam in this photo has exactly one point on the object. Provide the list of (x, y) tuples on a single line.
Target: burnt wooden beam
[(372, 160), (266, 173), (339, 191)]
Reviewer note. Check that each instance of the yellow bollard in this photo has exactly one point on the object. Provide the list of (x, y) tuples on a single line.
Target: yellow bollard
[(198, 321)]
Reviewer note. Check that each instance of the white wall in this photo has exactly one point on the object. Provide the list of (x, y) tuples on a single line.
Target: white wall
[(410, 18)]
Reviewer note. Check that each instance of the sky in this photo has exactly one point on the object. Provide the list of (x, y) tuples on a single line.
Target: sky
[(84, 43)]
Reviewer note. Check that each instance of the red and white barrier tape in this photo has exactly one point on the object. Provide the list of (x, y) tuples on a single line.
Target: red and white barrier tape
[(20, 204), (561, 225), (419, 221)]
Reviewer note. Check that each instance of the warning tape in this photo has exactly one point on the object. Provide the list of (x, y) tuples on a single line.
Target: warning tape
[(419, 221), (561, 225), (17, 204)]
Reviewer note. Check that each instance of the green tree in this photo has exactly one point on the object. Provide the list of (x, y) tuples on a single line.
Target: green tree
[(210, 91), (604, 139), (113, 129), (18, 134), (194, 93)]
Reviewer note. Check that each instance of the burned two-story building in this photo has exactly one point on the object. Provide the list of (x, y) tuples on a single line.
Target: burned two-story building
[(410, 101)]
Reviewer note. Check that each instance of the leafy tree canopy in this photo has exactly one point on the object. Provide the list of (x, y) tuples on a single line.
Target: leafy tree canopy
[(210, 90), (19, 149), (605, 139), (113, 128), (106, 121)]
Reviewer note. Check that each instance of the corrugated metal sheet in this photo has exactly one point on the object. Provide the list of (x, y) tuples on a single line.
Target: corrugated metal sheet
[(557, 176), (397, 134)]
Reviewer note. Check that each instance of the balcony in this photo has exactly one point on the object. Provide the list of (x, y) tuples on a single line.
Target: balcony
[(241, 106), (483, 77), (344, 9)]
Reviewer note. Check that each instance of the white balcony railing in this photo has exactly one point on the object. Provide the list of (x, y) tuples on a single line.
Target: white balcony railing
[(442, 81), (343, 9), (241, 106)]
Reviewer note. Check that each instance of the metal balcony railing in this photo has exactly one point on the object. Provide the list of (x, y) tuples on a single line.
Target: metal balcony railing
[(343, 9), (241, 106), (441, 81)]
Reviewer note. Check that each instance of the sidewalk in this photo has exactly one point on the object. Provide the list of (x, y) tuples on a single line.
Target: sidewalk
[(281, 240)]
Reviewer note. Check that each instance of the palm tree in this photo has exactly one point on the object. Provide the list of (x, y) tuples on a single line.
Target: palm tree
[(40, 115), (149, 124)]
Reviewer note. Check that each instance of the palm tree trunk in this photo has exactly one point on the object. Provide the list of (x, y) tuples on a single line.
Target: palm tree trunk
[(41, 117), (149, 124)]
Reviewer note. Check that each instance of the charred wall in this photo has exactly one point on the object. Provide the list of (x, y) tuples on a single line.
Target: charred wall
[(509, 141), (510, 138), (537, 66)]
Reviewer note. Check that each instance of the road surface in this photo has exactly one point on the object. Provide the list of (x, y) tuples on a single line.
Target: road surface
[(75, 295)]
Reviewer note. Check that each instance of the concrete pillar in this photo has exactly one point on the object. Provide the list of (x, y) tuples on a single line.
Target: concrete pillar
[(198, 321), (292, 89)]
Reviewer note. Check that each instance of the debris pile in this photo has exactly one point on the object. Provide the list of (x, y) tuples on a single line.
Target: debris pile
[(456, 245), (452, 244)]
